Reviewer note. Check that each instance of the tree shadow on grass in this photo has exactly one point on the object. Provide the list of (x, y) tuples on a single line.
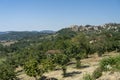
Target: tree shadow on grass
[(46, 78), (57, 69), (71, 63), (19, 72), (70, 74), (82, 66), (104, 55)]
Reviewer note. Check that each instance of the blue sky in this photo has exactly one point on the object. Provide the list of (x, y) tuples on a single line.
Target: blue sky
[(28, 15)]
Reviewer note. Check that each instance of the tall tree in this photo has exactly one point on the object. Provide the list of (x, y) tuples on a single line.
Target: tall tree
[(62, 60)]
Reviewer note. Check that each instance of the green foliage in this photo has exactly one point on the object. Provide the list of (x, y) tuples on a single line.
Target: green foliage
[(3, 59), (47, 64), (35, 68), (65, 34), (81, 45), (7, 72), (3, 50), (62, 60), (88, 77), (31, 68), (20, 35), (78, 64), (99, 45), (111, 63), (97, 73), (73, 43), (100, 51)]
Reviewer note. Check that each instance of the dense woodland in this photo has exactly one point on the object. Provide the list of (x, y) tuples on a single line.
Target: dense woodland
[(38, 53)]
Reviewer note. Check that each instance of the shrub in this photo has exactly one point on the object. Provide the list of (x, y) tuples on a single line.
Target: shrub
[(97, 73), (7, 72), (110, 63), (117, 64), (88, 77)]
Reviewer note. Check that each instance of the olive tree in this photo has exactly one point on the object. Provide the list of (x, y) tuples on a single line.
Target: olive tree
[(62, 60), (7, 72), (33, 69), (36, 69), (78, 58)]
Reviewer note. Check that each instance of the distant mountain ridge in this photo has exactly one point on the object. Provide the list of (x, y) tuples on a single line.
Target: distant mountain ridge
[(47, 31), (3, 33), (16, 35)]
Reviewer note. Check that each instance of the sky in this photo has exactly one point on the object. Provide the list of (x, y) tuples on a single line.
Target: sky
[(37, 15)]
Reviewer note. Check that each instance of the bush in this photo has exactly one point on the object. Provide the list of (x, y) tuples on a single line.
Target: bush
[(110, 63), (62, 60), (117, 64), (97, 73), (7, 72), (87, 77)]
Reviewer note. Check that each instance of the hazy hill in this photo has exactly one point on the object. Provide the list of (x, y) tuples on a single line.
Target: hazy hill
[(2, 33), (70, 31), (16, 35)]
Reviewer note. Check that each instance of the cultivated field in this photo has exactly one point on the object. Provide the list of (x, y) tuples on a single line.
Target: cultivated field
[(88, 66)]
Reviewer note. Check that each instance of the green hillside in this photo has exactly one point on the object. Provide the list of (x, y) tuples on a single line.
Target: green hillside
[(38, 53)]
